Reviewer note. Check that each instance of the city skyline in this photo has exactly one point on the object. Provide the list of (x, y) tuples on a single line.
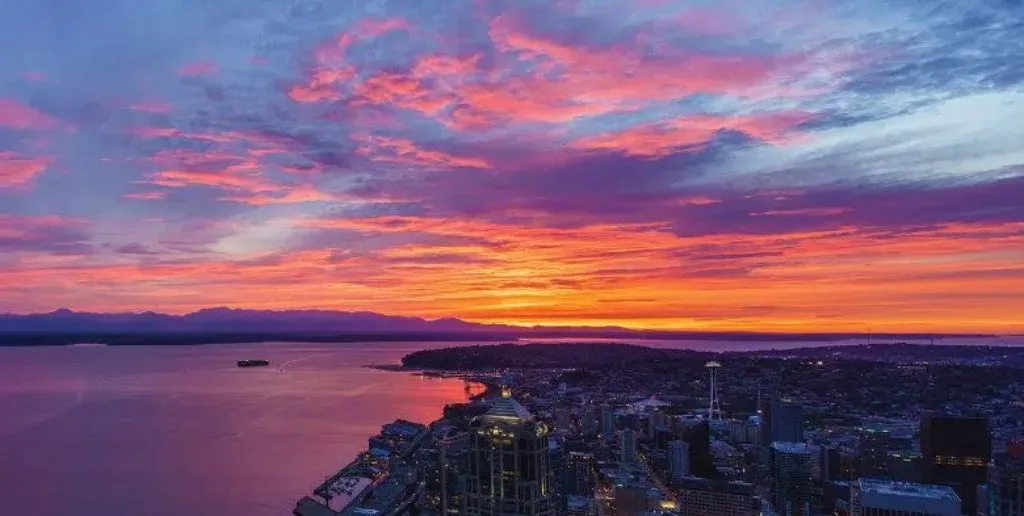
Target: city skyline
[(771, 166)]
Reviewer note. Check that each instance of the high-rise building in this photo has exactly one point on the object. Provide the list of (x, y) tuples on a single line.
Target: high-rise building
[(508, 472), (837, 464), (783, 421), (558, 458), (1005, 489), (607, 423), (697, 436), (563, 421), (453, 457), (589, 420), (794, 468), (870, 497), (656, 419), (873, 453), (956, 452), (711, 498), (580, 472), (627, 446), (678, 459)]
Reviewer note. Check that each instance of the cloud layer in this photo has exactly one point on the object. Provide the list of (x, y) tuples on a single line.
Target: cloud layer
[(797, 165)]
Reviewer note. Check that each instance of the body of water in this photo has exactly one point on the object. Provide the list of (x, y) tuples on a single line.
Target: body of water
[(182, 431)]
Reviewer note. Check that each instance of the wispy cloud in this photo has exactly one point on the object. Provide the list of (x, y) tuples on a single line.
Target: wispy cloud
[(663, 163)]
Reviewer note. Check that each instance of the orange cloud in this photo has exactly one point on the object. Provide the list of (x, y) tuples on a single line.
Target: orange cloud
[(636, 276)]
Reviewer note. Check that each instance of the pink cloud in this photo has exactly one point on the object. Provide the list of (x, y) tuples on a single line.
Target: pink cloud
[(564, 82), (291, 194), (152, 195), (373, 27), (154, 107), (184, 178), (18, 116), (331, 68), (16, 171), (198, 68), (406, 152), (693, 131), (400, 90), (711, 21), (33, 76)]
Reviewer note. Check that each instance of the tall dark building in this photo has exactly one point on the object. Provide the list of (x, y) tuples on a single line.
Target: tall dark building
[(1004, 494), (697, 436), (873, 453), (579, 473), (794, 470), (716, 498), (956, 452), (558, 457), (509, 472), (783, 422)]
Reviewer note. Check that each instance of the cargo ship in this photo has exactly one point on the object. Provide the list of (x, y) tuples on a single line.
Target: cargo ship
[(258, 362)]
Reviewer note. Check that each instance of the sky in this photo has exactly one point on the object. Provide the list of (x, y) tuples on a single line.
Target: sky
[(776, 165)]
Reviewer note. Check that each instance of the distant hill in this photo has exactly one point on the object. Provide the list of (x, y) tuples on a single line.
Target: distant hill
[(212, 325), (228, 320)]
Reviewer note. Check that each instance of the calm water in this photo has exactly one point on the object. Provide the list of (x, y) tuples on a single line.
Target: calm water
[(165, 431)]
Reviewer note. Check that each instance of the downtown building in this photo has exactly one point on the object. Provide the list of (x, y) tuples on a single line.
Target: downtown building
[(783, 421), (713, 498), (956, 452), (870, 497), (794, 474), (509, 472), (1004, 493)]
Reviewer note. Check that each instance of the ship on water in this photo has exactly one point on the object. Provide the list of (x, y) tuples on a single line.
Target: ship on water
[(255, 362)]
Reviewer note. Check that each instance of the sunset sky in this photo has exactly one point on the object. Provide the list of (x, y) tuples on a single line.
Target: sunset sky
[(780, 165)]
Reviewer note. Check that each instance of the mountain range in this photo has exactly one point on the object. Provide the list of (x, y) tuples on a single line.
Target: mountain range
[(228, 324)]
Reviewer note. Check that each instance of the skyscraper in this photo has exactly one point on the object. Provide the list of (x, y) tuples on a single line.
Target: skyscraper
[(873, 453), (1005, 490), (581, 470), (678, 459), (558, 459), (607, 423), (508, 472), (627, 446), (697, 436), (869, 497), (794, 469), (563, 421), (956, 452), (783, 421)]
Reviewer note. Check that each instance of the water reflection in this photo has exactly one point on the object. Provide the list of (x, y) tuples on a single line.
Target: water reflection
[(171, 431)]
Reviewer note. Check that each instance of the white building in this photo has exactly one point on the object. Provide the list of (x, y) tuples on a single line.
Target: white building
[(888, 498)]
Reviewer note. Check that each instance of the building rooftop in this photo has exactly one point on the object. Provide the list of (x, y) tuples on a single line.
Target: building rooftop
[(788, 447), (508, 408), (907, 489)]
